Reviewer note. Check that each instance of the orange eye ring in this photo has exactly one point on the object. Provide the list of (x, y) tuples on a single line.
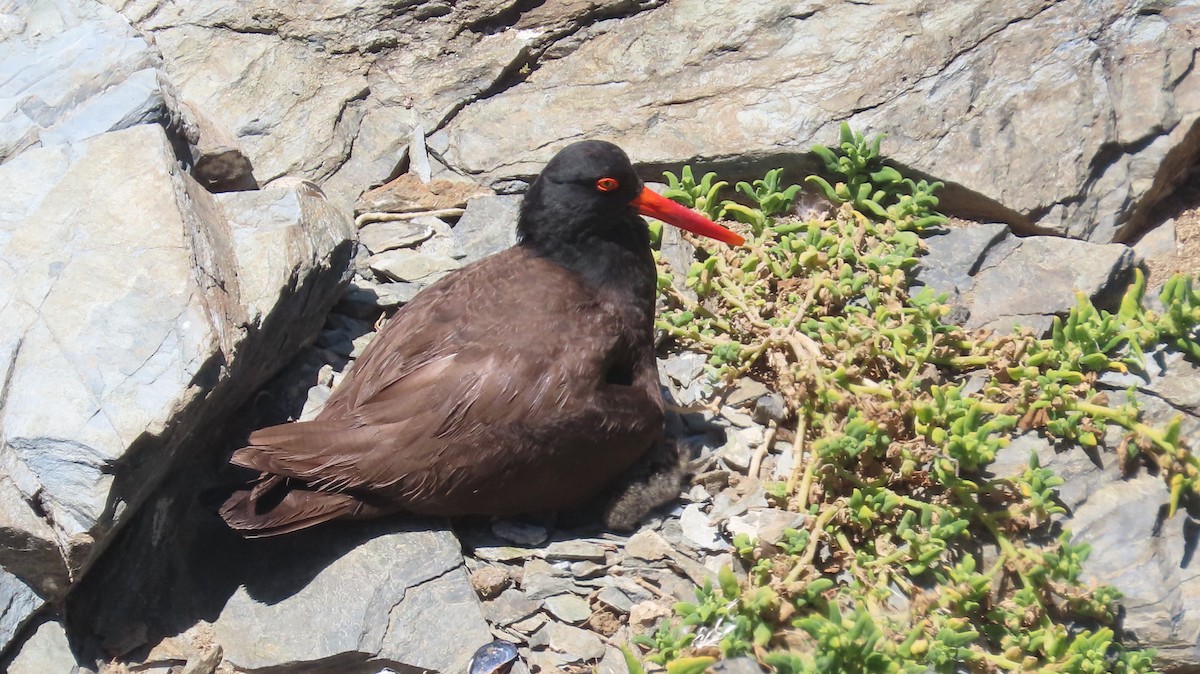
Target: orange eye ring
[(607, 184)]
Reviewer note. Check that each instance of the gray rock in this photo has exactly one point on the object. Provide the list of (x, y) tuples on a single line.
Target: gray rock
[(573, 642), (683, 367), (746, 390), (395, 596), (1012, 459), (503, 553), (576, 550), (367, 299), (990, 81), (46, 651), (765, 525), (615, 598), (76, 70), (412, 266), (217, 159), (587, 569), (737, 451), (1158, 243), (511, 606), (647, 545), (125, 315), (541, 579), (548, 661), (988, 277), (1148, 565), (699, 532), (1178, 383), (953, 258), (384, 236), (444, 242), (531, 624), (317, 397), (736, 417), (785, 462), (488, 226), (568, 608), (20, 604), (613, 662), (679, 254), (770, 408)]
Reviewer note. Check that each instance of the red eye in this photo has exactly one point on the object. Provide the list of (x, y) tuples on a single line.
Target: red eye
[(607, 184)]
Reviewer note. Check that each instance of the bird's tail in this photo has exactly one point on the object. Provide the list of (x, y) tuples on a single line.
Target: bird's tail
[(275, 504)]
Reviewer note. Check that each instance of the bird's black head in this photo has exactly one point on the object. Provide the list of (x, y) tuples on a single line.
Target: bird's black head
[(583, 213), (589, 191), (585, 192)]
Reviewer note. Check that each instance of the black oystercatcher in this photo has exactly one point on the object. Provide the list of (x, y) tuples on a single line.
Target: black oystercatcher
[(523, 382)]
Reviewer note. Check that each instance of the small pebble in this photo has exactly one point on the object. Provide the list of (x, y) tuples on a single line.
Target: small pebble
[(502, 553), (770, 407), (613, 662), (648, 613), (546, 662), (714, 563), (745, 391), (576, 550), (531, 624), (512, 605), (742, 665), (736, 451), (698, 531), (573, 642), (648, 546), (615, 598), (540, 579), (568, 608), (785, 463), (737, 417), (489, 581), (586, 569)]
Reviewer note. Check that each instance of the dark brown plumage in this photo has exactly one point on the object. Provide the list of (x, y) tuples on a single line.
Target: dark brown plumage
[(523, 382)]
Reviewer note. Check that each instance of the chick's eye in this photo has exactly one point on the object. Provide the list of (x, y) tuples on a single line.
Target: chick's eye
[(607, 184)]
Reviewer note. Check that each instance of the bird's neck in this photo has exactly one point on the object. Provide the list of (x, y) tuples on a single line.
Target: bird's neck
[(614, 257)]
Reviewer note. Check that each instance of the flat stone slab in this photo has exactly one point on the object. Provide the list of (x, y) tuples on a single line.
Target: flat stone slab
[(402, 597), (996, 280)]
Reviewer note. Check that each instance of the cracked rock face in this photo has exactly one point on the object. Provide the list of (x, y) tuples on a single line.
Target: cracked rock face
[(1071, 116), (138, 308)]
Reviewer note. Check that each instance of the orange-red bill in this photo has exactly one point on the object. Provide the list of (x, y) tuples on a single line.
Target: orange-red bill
[(649, 203)]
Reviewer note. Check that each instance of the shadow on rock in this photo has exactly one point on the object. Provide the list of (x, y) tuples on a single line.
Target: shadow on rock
[(177, 563)]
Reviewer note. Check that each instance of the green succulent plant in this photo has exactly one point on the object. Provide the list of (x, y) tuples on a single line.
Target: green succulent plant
[(891, 445)]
